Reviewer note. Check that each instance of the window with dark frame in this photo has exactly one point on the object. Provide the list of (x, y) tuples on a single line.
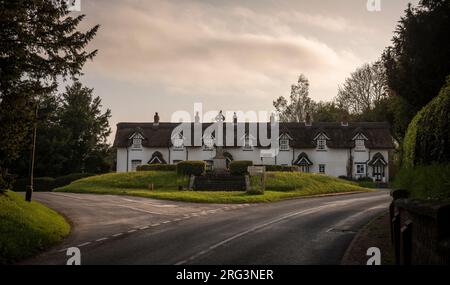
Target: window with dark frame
[(322, 168), (360, 169)]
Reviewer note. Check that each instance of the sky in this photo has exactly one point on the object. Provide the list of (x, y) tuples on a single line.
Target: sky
[(164, 56)]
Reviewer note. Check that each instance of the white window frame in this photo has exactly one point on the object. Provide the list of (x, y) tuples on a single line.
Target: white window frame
[(322, 166), (178, 144), (284, 144), (137, 143), (135, 163), (363, 172), (321, 144), (360, 145)]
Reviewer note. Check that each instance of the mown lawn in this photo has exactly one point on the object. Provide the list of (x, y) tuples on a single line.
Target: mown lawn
[(279, 185), (27, 228)]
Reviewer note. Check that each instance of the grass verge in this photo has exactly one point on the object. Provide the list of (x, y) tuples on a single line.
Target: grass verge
[(279, 186), (27, 228)]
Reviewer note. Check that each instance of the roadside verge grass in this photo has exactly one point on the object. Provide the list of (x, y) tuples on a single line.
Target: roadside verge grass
[(279, 186), (27, 228)]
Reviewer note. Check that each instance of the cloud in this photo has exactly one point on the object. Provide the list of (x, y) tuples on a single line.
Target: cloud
[(194, 48)]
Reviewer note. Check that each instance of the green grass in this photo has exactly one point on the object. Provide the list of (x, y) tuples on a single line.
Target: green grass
[(27, 228), (279, 186)]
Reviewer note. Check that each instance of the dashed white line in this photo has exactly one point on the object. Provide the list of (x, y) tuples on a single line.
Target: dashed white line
[(101, 239), (132, 231), (143, 228), (116, 235), (238, 235), (166, 222), (155, 225), (84, 244)]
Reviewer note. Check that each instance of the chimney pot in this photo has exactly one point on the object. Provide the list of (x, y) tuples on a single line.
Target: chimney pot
[(156, 119), (235, 118)]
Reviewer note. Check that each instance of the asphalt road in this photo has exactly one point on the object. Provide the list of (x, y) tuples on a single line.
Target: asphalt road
[(130, 230)]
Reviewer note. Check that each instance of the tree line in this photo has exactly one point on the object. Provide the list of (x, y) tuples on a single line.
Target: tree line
[(406, 77), (41, 47)]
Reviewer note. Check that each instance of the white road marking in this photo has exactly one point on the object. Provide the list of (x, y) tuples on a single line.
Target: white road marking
[(84, 244), (166, 222), (151, 204), (101, 239), (260, 226), (143, 228), (155, 225), (132, 231), (343, 224), (116, 235), (141, 210)]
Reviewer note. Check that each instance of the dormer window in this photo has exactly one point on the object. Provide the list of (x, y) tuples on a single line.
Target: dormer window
[(284, 142), (321, 141), (136, 141), (208, 143), (359, 145), (178, 143), (360, 140), (321, 144)]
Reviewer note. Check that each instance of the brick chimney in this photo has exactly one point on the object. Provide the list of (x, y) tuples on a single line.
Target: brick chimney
[(156, 119)]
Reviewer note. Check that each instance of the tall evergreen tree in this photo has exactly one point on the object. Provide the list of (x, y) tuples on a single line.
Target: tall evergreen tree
[(419, 60), (39, 43), (88, 129)]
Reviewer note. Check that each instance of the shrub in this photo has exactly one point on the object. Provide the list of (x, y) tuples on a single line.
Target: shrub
[(67, 179), (239, 167), (430, 182), (191, 167), (427, 139), (364, 179), (282, 168), (367, 184), (345, 177), (157, 167), (39, 184)]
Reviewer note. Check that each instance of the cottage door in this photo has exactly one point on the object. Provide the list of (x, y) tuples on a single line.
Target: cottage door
[(378, 172)]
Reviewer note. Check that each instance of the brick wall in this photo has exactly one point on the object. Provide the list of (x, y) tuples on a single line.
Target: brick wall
[(420, 230)]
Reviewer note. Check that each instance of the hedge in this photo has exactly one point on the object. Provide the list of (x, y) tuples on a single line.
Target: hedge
[(239, 167), (48, 183), (157, 167), (427, 139), (191, 167), (429, 182), (39, 184), (67, 179), (281, 168)]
